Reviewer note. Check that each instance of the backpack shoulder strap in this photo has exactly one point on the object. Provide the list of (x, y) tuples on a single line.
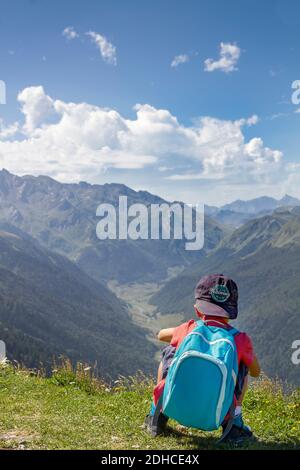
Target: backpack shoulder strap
[(216, 323), (231, 329), (234, 331)]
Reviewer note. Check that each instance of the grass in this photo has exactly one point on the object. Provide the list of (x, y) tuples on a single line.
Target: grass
[(73, 410)]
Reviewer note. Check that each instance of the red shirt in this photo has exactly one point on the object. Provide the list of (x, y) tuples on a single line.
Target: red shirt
[(243, 342), (243, 345)]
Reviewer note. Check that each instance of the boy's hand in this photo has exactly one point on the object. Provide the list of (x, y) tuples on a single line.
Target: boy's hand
[(254, 369), (166, 335)]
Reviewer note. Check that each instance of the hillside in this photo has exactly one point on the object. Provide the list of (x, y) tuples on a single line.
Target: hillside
[(263, 257), (62, 217), (72, 411), (49, 307)]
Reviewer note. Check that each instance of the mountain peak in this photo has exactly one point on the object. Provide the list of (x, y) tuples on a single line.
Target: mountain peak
[(289, 200), (5, 174), (6, 179)]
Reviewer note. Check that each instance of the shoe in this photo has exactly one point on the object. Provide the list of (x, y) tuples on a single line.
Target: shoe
[(159, 428), (239, 434), (239, 423)]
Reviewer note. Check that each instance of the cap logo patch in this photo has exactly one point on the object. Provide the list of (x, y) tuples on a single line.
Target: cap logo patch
[(220, 293)]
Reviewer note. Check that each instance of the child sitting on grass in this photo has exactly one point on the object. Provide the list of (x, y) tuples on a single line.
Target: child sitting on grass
[(216, 303)]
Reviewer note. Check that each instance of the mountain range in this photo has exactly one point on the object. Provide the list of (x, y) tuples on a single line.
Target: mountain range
[(239, 212), (62, 217), (54, 271)]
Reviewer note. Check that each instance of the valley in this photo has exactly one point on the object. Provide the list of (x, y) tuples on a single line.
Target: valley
[(64, 292), (143, 313)]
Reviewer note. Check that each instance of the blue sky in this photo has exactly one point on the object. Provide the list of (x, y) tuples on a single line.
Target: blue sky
[(180, 163)]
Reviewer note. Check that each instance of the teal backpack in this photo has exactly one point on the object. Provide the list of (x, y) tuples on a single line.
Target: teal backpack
[(199, 388)]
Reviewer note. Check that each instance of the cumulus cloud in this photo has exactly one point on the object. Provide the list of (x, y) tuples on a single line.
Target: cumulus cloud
[(75, 141), (229, 56), (107, 50), (222, 152), (179, 59), (70, 33), (36, 106)]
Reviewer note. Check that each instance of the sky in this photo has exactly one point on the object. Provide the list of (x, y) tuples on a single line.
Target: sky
[(191, 100)]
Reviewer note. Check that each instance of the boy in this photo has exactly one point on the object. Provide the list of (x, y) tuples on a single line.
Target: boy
[(216, 303)]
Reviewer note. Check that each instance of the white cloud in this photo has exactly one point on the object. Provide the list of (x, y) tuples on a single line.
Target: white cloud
[(251, 121), (107, 50), (165, 168), (229, 56), (222, 152), (179, 59), (277, 116), (36, 107), (70, 33), (68, 141), (75, 141), (7, 132)]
